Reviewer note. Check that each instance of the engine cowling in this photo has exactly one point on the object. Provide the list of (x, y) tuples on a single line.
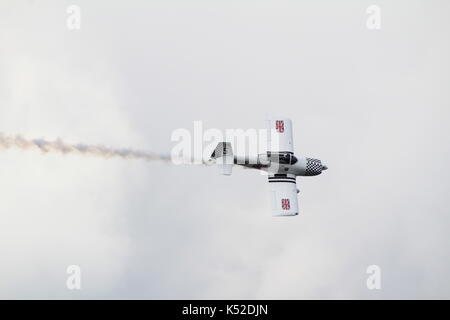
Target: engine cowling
[(314, 167), (307, 167)]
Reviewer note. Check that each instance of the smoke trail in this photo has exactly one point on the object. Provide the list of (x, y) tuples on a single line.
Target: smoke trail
[(65, 148)]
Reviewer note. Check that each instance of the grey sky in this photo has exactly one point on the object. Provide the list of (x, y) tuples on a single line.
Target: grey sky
[(373, 105)]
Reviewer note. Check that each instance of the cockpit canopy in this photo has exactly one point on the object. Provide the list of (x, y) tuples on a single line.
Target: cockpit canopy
[(282, 157)]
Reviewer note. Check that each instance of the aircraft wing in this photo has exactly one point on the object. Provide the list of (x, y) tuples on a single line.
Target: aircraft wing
[(283, 195), (279, 135)]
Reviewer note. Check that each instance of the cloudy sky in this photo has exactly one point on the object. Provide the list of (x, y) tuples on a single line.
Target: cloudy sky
[(373, 105)]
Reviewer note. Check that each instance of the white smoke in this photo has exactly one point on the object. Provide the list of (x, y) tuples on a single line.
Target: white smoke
[(60, 146)]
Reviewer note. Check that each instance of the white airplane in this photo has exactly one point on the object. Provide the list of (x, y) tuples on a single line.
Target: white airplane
[(279, 162)]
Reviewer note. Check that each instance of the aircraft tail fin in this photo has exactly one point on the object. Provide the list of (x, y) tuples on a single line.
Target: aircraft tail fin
[(223, 154)]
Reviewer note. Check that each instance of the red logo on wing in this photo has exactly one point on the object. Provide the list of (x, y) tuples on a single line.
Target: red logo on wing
[(279, 125), (285, 204)]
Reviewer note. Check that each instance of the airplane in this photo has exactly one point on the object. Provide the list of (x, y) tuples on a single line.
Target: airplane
[(280, 163)]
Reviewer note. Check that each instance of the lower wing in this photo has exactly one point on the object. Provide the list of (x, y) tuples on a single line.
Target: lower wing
[(283, 195)]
